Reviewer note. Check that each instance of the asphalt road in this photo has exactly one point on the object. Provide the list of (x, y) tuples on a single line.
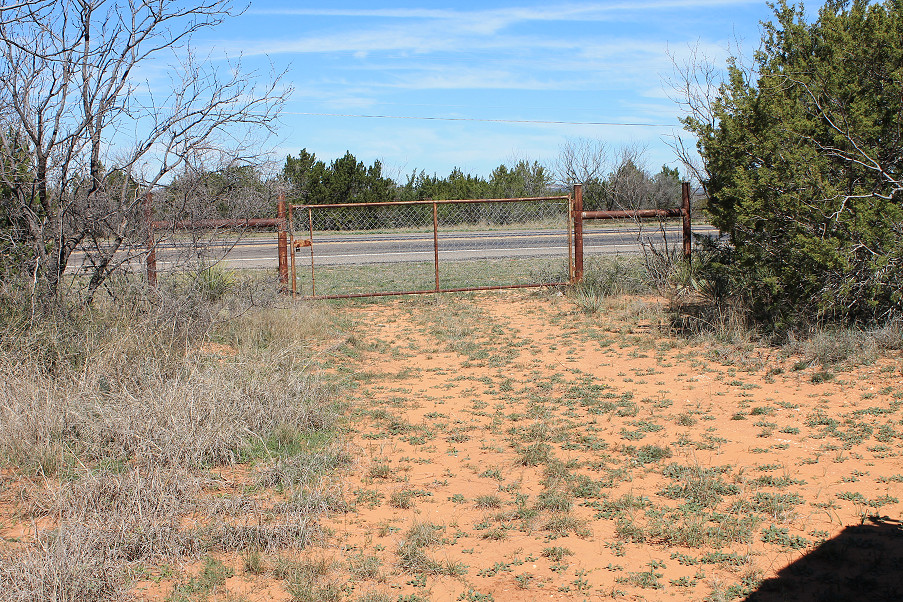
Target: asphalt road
[(358, 249)]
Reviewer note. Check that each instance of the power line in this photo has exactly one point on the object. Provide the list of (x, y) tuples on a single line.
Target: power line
[(608, 123)]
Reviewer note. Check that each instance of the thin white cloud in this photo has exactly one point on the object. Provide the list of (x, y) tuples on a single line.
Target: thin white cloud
[(404, 47), (474, 80), (614, 63), (562, 12), (452, 30)]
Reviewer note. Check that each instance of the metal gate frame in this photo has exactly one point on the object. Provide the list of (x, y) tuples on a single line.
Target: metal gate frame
[(578, 215), (284, 225), (298, 245)]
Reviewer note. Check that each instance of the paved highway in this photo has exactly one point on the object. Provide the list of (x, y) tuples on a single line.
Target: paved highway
[(259, 251)]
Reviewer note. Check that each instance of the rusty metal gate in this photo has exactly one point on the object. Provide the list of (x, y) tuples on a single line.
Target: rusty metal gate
[(398, 248)]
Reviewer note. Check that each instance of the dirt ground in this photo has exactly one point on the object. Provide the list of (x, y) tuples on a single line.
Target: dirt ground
[(560, 455), (511, 446), (568, 456)]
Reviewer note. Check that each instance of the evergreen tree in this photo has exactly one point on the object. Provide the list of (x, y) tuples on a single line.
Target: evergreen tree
[(305, 176), (525, 179), (804, 164), (345, 180)]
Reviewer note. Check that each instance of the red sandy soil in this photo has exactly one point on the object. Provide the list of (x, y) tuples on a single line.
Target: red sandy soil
[(533, 350), (445, 395)]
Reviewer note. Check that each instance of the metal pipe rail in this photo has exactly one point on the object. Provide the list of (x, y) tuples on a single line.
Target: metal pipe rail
[(578, 215)]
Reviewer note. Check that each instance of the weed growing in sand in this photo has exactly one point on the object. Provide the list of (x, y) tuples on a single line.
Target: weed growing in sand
[(556, 553), (412, 556), (648, 579), (212, 576), (488, 501), (781, 536), (253, 563), (363, 566), (307, 580)]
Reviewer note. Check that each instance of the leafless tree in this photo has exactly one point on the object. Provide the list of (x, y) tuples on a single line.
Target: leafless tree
[(628, 186), (695, 83), (614, 178), (83, 138), (583, 161)]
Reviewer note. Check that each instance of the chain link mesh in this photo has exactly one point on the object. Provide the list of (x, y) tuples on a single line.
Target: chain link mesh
[(392, 248)]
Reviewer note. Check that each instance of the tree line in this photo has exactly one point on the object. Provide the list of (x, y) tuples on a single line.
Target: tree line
[(304, 179), (798, 152)]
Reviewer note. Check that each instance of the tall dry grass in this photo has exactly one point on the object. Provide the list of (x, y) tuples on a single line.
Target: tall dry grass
[(115, 413), (827, 346)]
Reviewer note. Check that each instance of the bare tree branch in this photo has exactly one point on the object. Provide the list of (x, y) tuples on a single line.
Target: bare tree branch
[(82, 140)]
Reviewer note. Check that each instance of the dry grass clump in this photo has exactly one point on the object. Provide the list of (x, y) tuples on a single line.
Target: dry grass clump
[(831, 346), (134, 515), (205, 414), (303, 469), (412, 556), (121, 411), (63, 565), (606, 277), (294, 530)]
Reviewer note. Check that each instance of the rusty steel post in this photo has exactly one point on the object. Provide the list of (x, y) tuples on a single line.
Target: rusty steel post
[(685, 211), (151, 245), (291, 246), (283, 242), (570, 229), (578, 233), (436, 241)]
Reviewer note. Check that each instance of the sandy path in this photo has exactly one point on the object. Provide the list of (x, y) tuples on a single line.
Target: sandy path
[(565, 456)]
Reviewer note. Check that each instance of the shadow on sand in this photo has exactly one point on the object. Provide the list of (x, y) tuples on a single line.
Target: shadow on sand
[(863, 562)]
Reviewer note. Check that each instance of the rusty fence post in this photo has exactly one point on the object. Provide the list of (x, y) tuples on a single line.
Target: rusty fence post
[(578, 233), (570, 230), (283, 242), (685, 212), (291, 247), (150, 243)]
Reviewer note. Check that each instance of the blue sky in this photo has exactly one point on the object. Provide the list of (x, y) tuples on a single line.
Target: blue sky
[(466, 76)]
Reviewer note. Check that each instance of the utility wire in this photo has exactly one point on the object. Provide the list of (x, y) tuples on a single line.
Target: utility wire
[(609, 123)]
